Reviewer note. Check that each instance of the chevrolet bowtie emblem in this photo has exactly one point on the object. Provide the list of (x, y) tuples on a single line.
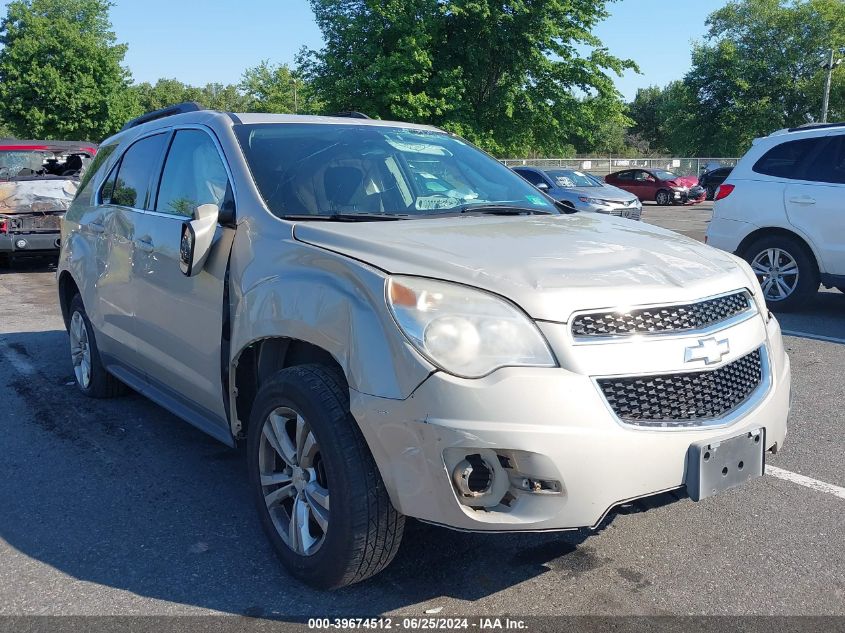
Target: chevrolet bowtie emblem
[(709, 350)]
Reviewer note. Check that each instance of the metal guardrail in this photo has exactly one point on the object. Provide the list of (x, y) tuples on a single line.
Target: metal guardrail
[(603, 165)]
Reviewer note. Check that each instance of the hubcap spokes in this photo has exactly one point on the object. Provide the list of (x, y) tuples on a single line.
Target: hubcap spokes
[(80, 350), (777, 272), (293, 481)]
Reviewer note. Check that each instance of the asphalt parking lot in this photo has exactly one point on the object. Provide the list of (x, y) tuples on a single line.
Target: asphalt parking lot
[(117, 507)]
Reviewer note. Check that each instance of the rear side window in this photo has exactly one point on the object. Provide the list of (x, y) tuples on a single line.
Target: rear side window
[(91, 170), (789, 159), (829, 165), (531, 176), (625, 175), (131, 185), (194, 175)]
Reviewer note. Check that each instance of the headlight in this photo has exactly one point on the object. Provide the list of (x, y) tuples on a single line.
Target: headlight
[(596, 201), (465, 331)]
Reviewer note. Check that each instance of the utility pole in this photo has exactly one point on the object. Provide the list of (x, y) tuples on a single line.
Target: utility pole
[(829, 66)]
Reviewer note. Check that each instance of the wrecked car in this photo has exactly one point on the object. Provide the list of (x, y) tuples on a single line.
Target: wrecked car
[(395, 325), (38, 181)]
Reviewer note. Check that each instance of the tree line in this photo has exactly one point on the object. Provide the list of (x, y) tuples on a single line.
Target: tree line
[(517, 77)]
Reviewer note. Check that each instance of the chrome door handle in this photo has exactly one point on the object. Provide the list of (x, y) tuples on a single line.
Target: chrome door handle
[(144, 245), (807, 200)]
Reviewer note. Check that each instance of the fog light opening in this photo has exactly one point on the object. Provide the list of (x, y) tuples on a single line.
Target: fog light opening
[(473, 476)]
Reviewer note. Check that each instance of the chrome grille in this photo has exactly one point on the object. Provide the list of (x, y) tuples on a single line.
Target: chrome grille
[(677, 400), (677, 318)]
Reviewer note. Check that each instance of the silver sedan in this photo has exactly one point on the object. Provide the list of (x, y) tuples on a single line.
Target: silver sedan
[(583, 192)]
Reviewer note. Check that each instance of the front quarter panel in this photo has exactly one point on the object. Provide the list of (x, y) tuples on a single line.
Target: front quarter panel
[(283, 288)]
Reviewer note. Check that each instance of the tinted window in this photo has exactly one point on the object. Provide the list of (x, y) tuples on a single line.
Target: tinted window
[(642, 176), (96, 165), (131, 187), (625, 175), (531, 176), (787, 159), (193, 175), (313, 169), (829, 164)]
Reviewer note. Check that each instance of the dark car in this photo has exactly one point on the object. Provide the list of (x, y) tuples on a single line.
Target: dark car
[(658, 185), (38, 180), (712, 179)]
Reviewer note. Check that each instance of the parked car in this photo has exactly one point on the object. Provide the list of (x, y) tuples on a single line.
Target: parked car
[(659, 185), (781, 209), (712, 179), (477, 360), (583, 192), (38, 180)]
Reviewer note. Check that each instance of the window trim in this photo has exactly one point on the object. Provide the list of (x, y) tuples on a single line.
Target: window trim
[(220, 153)]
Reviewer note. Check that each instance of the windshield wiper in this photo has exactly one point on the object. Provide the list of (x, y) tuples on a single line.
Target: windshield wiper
[(503, 209), (347, 217)]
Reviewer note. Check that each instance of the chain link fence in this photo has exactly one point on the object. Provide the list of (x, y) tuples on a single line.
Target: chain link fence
[(601, 166)]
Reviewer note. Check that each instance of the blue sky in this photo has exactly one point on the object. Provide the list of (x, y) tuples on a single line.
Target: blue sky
[(215, 40)]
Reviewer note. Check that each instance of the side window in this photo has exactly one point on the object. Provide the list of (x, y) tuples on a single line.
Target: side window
[(625, 175), (193, 175), (787, 159), (91, 169), (641, 176), (133, 177), (531, 176), (829, 164)]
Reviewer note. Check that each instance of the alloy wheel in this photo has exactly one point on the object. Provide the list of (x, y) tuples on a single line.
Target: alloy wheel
[(662, 198), (80, 350), (777, 271), (293, 481)]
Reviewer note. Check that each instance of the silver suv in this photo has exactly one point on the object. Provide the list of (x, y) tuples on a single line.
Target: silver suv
[(397, 325)]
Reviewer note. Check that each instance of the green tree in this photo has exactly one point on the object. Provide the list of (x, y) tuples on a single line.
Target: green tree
[(506, 75), (278, 88), (758, 70), (167, 92), (61, 70)]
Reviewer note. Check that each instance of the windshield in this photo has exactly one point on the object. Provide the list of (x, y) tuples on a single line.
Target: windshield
[(326, 169), (37, 163), (664, 175), (568, 178)]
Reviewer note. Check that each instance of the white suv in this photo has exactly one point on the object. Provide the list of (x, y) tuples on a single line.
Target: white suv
[(783, 210)]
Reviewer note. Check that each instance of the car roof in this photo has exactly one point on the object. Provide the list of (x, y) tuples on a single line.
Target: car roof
[(49, 146)]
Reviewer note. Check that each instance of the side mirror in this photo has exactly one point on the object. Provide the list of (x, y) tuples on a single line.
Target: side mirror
[(543, 186), (197, 236)]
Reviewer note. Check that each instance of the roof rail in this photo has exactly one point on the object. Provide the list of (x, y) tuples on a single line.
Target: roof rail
[(815, 126), (180, 108), (351, 115)]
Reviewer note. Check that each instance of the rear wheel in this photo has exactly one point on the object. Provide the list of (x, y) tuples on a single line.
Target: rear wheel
[(319, 495), (786, 270), (662, 198), (91, 377)]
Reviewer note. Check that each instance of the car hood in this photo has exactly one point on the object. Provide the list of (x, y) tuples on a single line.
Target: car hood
[(686, 181), (607, 192), (549, 265), (36, 195)]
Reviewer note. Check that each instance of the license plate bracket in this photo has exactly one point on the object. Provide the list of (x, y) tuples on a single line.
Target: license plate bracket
[(717, 465)]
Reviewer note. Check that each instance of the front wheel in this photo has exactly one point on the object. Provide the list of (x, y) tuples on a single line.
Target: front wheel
[(320, 498), (91, 376), (786, 270), (662, 198)]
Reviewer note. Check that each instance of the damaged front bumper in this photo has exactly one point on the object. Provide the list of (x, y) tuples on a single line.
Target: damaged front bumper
[(554, 456)]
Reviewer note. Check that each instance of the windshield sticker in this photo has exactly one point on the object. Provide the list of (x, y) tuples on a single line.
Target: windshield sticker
[(564, 181), (535, 200), (429, 203)]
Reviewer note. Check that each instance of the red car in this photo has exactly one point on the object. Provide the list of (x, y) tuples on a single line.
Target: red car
[(659, 185)]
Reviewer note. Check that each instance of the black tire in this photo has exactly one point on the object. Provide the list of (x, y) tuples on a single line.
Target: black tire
[(808, 272), (364, 530), (663, 198), (101, 384)]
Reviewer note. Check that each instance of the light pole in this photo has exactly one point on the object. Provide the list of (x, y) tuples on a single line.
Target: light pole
[(829, 66)]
